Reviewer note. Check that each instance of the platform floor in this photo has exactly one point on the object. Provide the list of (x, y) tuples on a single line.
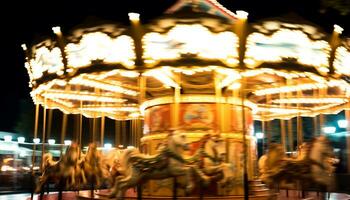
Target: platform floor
[(292, 195)]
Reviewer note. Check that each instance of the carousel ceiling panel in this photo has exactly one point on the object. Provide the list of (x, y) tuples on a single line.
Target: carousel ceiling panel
[(185, 39), (287, 44)]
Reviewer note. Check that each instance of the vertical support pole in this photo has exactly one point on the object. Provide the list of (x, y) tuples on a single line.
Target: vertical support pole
[(219, 104), (117, 133), (347, 117), (80, 142), (37, 109), (242, 35), (102, 130), (137, 33), (300, 135), (43, 133), (314, 119), (176, 104), (49, 124), (283, 127), (268, 124), (290, 135), (174, 188), (63, 130)]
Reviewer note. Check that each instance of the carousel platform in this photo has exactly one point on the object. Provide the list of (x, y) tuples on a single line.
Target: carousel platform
[(282, 195)]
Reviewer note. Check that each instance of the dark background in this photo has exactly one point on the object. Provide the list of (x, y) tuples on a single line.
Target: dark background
[(31, 21)]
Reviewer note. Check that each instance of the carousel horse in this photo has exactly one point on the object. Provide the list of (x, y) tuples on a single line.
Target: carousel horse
[(91, 165), (111, 163), (209, 159), (137, 168), (66, 169), (312, 167)]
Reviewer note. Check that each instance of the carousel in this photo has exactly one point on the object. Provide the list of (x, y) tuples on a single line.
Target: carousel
[(189, 84)]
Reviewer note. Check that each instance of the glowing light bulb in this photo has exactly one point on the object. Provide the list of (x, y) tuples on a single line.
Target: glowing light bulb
[(134, 16), (338, 29), (242, 14), (56, 30)]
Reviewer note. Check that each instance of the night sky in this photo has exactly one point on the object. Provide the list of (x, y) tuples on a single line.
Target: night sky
[(28, 22)]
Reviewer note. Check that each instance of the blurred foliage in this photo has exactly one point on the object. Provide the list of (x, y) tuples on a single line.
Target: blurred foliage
[(341, 6)]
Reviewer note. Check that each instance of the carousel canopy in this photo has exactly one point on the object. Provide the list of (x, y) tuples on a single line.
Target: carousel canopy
[(287, 68)]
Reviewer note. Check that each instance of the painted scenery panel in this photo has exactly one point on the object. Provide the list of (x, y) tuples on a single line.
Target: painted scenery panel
[(198, 116)]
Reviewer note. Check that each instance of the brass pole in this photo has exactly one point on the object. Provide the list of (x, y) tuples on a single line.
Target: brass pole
[(93, 129), (299, 123), (37, 109), (49, 124), (268, 123), (347, 117), (44, 132), (315, 125), (219, 104), (117, 133), (63, 130), (283, 127), (241, 31), (102, 130), (80, 126), (176, 104), (322, 120), (123, 133)]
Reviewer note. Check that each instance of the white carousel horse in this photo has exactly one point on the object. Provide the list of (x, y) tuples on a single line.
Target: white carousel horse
[(209, 158), (137, 168), (66, 169), (111, 163), (313, 166)]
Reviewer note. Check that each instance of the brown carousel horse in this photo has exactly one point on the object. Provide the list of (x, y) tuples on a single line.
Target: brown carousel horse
[(137, 168), (64, 171), (91, 165), (313, 166)]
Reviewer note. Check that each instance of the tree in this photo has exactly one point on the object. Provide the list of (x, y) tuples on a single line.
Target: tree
[(341, 6)]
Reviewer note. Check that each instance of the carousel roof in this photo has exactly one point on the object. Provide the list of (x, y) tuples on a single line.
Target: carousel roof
[(289, 68)]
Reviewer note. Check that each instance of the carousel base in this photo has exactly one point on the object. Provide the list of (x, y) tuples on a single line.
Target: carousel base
[(258, 191), (131, 195)]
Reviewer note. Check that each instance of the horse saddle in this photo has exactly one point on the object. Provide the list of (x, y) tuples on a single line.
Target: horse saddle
[(149, 163)]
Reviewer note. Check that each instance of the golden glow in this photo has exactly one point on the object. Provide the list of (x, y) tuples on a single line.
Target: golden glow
[(235, 86), (134, 115), (199, 134), (190, 39), (335, 100), (81, 96), (338, 29), (164, 76), (101, 85), (63, 102), (111, 109), (134, 16), (100, 46), (342, 61), (279, 110), (231, 76), (287, 44), (45, 60), (285, 89), (196, 99), (123, 73)]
